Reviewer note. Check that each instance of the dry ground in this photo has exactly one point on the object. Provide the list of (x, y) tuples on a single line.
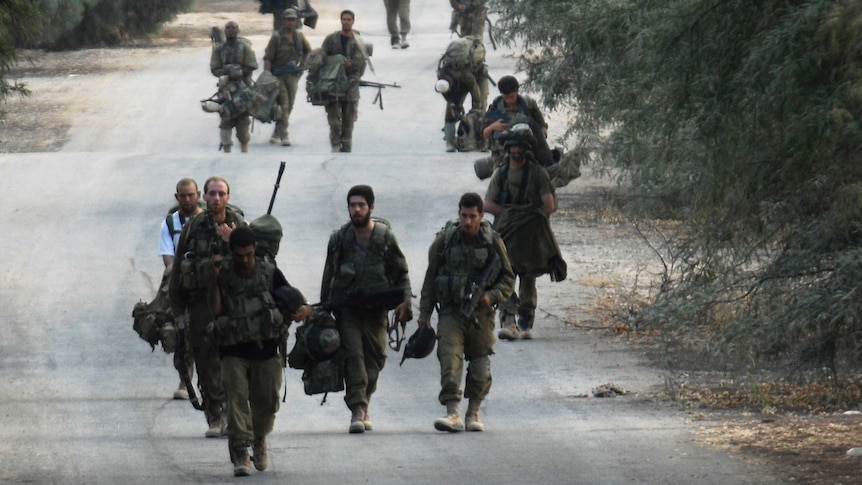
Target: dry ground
[(799, 430)]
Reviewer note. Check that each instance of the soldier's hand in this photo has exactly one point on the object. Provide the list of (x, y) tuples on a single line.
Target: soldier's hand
[(462, 8), (224, 231), (485, 302), (402, 312), (348, 63), (215, 262), (499, 125), (301, 314)]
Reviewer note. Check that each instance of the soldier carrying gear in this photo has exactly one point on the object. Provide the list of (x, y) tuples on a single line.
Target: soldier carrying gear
[(462, 68), (235, 60), (457, 259), (420, 344)]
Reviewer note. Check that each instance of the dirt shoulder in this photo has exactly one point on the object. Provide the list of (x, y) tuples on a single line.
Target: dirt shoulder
[(610, 257)]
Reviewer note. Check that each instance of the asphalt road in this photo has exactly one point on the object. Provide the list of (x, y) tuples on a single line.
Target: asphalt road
[(82, 400)]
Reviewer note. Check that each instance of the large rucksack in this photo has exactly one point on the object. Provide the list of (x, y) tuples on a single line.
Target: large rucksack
[(265, 107), (327, 82), (151, 321), (464, 53), (469, 132)]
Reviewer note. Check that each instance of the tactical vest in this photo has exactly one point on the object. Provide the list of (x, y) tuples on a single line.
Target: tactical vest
[(250, 312), (357, 267), (202, 242), (461, 263)]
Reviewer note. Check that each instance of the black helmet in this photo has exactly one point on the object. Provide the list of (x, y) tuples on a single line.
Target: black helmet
[(520, 134), (288, 299), (322, 342), (420, 344)]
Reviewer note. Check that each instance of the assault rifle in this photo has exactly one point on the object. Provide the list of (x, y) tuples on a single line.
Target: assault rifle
[(290, 68), (477, 290), (378, 100), (182, 366)]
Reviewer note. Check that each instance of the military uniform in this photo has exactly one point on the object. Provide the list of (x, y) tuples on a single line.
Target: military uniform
[(398, 22), (241, 54), (463, 78), (453, 263), (350, 267), (280, 51), (521, 189), (472, 21), (342, 114), (248, 331), (189, 292)]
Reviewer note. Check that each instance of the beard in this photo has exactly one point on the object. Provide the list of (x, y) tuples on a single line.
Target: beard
[(361, 222), (518, 157)]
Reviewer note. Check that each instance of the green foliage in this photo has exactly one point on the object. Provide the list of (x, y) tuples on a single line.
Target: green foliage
[(740, 119), (18, 21), (79, 23)]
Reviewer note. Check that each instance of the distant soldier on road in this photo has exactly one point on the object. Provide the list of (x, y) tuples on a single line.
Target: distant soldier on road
[(363, 258), (286, 54), (203, 237), (467, 256), (469, 16), (236, 60), (398, 22)]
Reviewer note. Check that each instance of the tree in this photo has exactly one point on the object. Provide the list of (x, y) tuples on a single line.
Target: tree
[(18, 21), (740, 120)]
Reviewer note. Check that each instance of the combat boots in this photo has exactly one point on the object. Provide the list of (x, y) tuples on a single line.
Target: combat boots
[(241, 462), (395, 41), (449, 136), (452, 421), (404, 43), (356, 419), (260, 459), (510, 330), (472, 416)]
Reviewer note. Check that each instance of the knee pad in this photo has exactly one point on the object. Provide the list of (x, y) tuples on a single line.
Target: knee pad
[(479, 368)]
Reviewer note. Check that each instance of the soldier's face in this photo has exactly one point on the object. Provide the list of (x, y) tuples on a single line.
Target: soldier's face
[(510, 99), (231, 30), (360, 211), (217, 196), (470, 218), (244, 258), (346, 23), (188, 197), (289, 24)]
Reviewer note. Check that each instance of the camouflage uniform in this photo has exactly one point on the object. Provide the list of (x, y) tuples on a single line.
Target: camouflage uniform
[(362, 328), (451, 265), (197, 241), (526, 109), (341, 115), (236, 53), (472, 21), (398, 21), (248, 332), (279, 52)]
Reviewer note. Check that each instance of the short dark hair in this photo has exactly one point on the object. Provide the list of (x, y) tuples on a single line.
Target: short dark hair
[(187, 181), (508, 84), (216, 178), (364, 191), (471, 199), (348, 12), (241, 237)]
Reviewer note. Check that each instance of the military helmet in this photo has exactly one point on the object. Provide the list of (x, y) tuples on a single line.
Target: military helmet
[(322, 342), (420, 344), (289, 13), (288, 298), (519, 134)]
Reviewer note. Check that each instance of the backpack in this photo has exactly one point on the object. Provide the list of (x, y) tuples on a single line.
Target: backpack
[(469, 132), (327, 83), (465, 53), (264, 106), (150, 319)]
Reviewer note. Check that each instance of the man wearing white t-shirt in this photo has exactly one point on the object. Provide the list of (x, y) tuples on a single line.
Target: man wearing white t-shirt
[(187, 197)]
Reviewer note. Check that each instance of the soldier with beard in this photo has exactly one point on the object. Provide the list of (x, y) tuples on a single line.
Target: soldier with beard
[(363, 257)]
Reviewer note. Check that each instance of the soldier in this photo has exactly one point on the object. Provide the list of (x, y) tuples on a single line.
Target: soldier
[(342, 113), (187, 196), (204, 236), (521, 198), (248, 326), (236, 60), (463, 252), (469, 16), (363, 258), (461, 71), (285, 56), (398, 22)]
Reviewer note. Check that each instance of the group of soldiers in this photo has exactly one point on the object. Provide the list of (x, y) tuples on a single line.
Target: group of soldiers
[(233, 306)]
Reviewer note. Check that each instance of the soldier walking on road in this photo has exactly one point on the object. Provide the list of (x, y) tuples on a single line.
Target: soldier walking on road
[(398, 22), (236, 60), (466, 256), (187, 196), (469, 16), (249, 324), (285, 56), (363, 259), (342, 113), (203, 237), (521, 198)]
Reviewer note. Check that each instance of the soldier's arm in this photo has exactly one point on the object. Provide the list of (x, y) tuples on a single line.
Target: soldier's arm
[(428, 295), (249, 64), (175, 292), (216, 67), (492, 194), (306, 49), (269, 52), (328, 271), (546, 190), (505, 284)]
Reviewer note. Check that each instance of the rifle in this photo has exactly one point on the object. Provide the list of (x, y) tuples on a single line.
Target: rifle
[(182, 367), (275, 188), (399, 331), (477, 290), (378, 100)]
